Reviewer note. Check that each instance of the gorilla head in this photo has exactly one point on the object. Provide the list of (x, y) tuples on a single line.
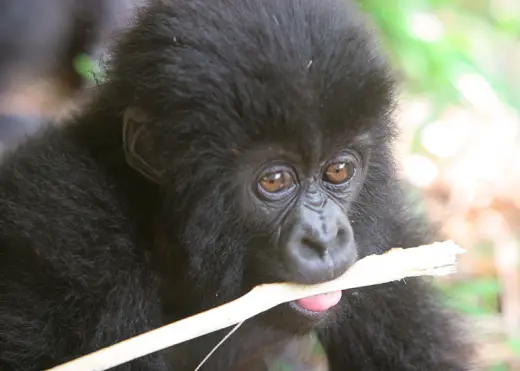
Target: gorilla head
[(260, 130)]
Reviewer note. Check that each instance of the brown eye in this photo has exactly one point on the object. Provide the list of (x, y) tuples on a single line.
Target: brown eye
[(338, 172), (277, 181)]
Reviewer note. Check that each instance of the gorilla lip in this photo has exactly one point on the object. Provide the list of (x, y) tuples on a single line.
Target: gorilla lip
[(321, 302)]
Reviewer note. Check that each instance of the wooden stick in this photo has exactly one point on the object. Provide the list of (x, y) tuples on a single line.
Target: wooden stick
[(436, 259)]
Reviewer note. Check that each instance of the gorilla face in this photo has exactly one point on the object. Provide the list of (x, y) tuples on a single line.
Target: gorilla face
[(306, 211), (300, 211)]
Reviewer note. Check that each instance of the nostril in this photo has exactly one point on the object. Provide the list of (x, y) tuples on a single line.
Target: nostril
[(312, 244), (342, 236), (316, 241)]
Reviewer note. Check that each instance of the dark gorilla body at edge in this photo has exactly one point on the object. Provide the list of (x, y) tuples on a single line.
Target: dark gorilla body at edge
[(93, 252)]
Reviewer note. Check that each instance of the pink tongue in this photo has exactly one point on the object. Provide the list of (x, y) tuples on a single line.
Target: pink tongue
[(320, 303)]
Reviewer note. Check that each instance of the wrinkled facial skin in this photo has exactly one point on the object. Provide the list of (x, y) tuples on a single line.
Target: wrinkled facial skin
[(304, 211)]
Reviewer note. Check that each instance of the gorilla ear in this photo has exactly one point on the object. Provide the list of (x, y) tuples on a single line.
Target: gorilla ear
[(139, 145)]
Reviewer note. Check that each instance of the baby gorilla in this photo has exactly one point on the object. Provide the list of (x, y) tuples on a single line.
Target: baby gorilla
[(234, 143)]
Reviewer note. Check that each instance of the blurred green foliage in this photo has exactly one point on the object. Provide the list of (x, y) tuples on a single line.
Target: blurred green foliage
[(83, 64), (434, 42)]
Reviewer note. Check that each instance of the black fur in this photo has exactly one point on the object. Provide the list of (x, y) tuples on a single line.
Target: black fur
[(92, 253)]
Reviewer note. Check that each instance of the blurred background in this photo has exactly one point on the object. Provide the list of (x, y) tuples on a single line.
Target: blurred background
[(459, 63)]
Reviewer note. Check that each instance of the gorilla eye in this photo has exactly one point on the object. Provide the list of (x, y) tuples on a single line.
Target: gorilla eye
[(339, 172), (277, 182)]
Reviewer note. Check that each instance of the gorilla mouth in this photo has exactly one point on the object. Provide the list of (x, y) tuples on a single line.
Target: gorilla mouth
[(319, 303)]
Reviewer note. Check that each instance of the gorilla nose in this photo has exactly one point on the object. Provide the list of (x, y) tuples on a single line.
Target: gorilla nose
[(318, 255), (320, 240)]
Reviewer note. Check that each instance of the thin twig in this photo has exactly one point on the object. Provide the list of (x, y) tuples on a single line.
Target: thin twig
[(218, 345)]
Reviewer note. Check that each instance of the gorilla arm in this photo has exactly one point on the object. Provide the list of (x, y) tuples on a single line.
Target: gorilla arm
[(70, 278)]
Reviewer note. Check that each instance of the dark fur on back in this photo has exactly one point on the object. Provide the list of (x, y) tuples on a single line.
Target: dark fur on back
[(92, 253)]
